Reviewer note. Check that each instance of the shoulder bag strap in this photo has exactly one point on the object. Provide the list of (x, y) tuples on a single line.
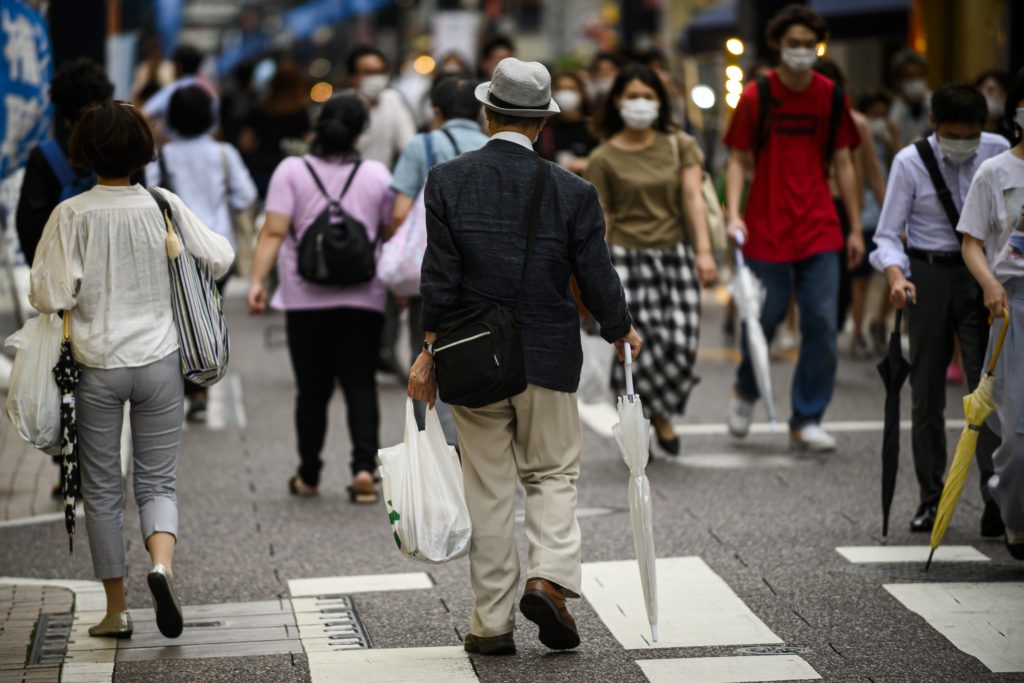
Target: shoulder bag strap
[(428, 144), (451, 139), (165, 209), (835, 116), (764, 102), (539, 179), (54, 156), (924, 150)]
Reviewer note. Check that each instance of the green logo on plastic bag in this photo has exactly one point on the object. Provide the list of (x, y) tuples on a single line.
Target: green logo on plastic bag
[(393, 517)]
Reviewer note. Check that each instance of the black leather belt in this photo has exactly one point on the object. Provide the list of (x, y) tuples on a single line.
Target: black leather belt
[(937, 258)]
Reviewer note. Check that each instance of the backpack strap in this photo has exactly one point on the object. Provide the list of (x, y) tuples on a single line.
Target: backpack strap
[(451, 139), (323, 190), (165, 177), (924, 150), (428, 143), (54, 156), (764, 102), (835, 116)]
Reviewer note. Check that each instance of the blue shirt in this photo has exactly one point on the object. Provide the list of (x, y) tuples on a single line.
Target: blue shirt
[(410, 173), (912, 203)]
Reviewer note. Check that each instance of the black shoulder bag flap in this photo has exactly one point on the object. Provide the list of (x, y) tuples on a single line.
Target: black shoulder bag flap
[(478, 354), (336, 249), (924, 150)]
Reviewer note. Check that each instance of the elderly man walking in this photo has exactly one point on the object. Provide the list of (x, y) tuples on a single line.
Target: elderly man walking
[(483, 208)]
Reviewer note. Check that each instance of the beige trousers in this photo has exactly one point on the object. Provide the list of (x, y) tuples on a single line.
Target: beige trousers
[(534, 438)]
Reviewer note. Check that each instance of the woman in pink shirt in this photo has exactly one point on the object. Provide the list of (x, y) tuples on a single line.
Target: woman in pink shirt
[(333, 331)]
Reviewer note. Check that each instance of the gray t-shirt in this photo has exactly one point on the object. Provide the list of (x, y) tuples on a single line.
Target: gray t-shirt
[(994, 213)]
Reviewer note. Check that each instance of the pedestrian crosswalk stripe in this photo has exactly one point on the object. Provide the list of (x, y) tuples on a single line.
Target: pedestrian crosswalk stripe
[(369, 583), (733, 461), (404, 665), (985, 620), (728, 669), (909, 553), (697, 607)]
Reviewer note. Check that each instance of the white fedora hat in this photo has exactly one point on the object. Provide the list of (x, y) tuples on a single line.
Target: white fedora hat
[(518, 89)]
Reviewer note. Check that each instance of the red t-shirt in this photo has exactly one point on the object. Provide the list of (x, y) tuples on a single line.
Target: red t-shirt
[(790, 214)]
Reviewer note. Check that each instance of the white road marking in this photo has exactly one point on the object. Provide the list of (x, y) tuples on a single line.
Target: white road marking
[(405, 665), (696, 607), (735, 461), (985, 620), (237, 401), (909, 553), (216, 413), (370, 583), (728, 669)]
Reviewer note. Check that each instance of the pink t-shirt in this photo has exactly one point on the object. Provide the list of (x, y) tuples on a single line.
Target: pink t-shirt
[(294, 193)]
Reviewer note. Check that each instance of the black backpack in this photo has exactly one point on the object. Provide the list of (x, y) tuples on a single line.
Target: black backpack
[(336, 249), (764, 98)]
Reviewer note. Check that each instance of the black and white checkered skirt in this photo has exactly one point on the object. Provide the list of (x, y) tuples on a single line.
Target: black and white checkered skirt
[(664, 299)]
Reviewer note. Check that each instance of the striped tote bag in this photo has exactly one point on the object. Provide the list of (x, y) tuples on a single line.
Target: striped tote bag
[(198, 311)]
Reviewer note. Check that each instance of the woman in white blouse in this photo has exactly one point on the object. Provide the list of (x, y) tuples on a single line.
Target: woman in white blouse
[(102, 257)]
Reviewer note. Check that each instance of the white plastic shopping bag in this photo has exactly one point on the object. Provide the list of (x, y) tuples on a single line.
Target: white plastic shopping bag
[(33, 399), (422, 482), (401, 257)]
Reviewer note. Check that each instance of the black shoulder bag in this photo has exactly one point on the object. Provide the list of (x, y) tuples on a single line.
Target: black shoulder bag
[(478, 354), (924, 150), (336, 249)]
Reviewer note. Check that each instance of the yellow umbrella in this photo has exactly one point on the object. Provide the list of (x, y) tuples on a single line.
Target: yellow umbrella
[(978, 405)]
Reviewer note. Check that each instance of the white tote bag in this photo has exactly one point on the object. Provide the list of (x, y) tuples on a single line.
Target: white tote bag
[(422, 482), (401, 257), (33, 399)]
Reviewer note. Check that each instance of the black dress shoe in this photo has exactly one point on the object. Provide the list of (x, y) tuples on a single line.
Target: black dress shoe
[(670, 446), (924, 521), (1015, 544), (992, 521)]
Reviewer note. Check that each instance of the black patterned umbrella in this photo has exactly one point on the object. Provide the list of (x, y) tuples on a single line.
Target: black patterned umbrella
[(67, 374)]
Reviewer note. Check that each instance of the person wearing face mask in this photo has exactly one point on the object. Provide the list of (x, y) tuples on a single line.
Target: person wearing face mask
[(603, 69), (566, 139), (648, 175), (993, 85), (992, 224), (909, 113), (391, 124), (791, 130), (946, 301)]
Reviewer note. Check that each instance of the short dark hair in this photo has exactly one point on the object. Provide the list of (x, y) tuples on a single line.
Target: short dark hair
[(495, 42), (360, 51), (112, 139), (795, 14), (190, 112), (341, 121), (612, 57), (611, 122), (959, 103), (77, 84), (905, 58), (998, 75), (188, 60), (1014, 98), (455, 98), (871, 99), (507, 120)]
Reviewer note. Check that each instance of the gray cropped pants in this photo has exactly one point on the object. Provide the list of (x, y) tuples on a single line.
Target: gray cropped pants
[(156, 412)]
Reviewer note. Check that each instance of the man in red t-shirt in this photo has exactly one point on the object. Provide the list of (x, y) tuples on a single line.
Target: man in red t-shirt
[(790, 230)]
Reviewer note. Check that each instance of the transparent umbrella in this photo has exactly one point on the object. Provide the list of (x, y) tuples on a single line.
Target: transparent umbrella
[(748, 295), (633, 434)]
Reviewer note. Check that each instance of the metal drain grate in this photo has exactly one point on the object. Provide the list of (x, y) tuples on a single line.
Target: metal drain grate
[(341, 623), (773, 650), (50, 641)]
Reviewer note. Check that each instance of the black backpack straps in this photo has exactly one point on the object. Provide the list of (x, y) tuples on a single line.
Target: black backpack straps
[(924, 150), (539, 180), (835, 117), (351, 177), (317, 180), (764, 101), (451, 139)]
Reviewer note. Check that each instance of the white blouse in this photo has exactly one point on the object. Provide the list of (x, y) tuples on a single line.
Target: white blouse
[(102, 256)]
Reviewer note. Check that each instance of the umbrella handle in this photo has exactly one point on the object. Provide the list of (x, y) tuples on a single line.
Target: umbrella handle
[(66, 315), (629, 369), (999, 343)]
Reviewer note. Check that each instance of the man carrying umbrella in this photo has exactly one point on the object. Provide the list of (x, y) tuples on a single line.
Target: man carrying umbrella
[(947, 300), (480, 212)]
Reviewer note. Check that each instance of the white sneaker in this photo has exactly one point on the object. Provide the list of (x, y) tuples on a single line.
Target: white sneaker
[(741, 414), (812, 438)]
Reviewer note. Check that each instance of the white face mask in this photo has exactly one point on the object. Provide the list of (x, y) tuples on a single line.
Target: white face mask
[(915, 89), (1020, 117), (879, 127), (959, 151), (372, 86), (799, 59), (638, 113), (567, 100), (995, 107), (600, 88)]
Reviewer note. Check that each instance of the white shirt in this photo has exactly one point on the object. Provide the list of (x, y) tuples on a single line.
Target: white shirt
[(390, 129), (912, 204), (512, 136), (196, 170), (102, 256), (994, 213)]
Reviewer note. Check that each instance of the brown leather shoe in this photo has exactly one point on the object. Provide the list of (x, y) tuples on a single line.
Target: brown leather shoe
[(490, 645), (543, 603)]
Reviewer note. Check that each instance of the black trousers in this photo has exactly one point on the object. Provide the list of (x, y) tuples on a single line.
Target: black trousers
[(327, 346), (948, 301)]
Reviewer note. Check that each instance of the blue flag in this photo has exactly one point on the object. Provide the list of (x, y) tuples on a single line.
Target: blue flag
[(26, 68)]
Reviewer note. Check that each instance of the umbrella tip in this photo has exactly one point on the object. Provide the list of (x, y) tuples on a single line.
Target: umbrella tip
[(654, 632), (928, 564)]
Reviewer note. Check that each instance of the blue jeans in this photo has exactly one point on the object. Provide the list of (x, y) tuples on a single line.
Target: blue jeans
[(817, 294)]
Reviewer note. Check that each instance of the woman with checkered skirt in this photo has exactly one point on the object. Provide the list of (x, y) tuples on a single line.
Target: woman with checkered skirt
[(648, 176)]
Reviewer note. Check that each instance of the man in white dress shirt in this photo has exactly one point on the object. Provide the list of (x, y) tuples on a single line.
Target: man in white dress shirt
[(945, 298)]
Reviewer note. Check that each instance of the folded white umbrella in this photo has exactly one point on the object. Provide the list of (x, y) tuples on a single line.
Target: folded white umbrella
[(748, 294), (633, 434)]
